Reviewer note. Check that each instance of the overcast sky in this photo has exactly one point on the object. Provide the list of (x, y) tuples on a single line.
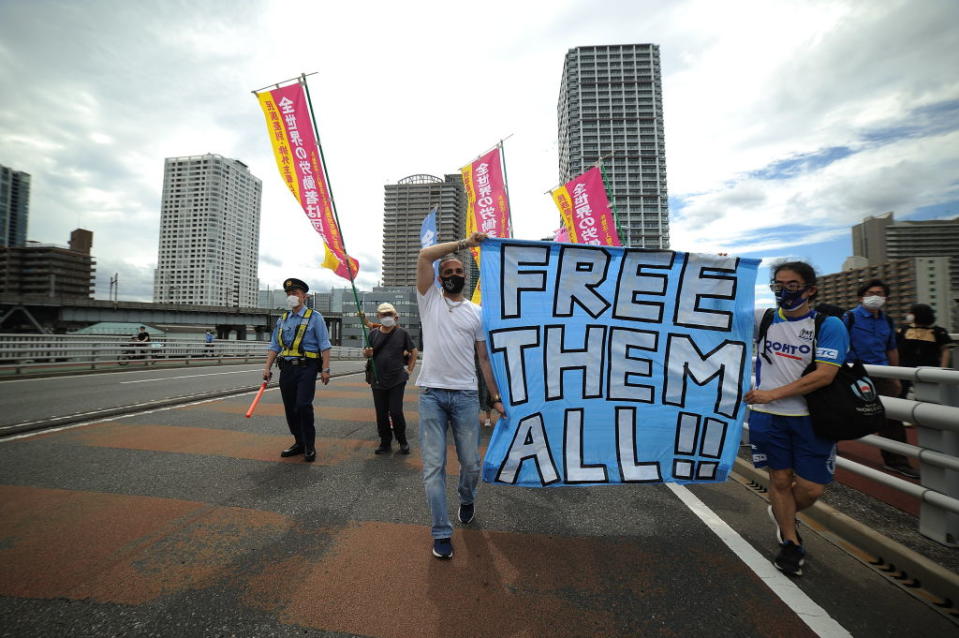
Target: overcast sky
[(785, 121)]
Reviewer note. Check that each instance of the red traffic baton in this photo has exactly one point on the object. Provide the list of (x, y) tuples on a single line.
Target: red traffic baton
[(256, 399)]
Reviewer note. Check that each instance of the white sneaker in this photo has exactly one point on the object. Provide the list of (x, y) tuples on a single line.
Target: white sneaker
[(779, 534)]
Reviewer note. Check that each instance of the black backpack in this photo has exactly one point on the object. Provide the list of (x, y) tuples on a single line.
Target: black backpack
[(849, 407)]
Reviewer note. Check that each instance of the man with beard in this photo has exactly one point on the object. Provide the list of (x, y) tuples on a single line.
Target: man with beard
[(452, 332)]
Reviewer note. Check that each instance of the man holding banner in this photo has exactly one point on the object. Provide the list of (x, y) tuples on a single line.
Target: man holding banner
[(452, 332)]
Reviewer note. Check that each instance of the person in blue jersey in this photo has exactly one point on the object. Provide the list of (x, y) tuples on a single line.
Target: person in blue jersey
[(800, 463), (301, 348), (872, 340)]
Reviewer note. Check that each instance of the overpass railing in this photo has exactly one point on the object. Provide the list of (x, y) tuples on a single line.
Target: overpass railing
[(934, 412), (22, 355)]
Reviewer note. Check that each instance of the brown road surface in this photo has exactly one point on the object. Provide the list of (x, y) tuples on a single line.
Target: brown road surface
[(186, 521)]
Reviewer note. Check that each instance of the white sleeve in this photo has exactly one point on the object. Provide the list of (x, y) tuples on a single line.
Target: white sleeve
[(480, 334)]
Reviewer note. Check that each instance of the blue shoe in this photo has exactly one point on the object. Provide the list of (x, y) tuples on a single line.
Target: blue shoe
[(466, 513), (442, 548)]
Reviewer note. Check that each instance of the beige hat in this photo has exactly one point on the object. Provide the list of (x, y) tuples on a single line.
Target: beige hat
[(385, 307)]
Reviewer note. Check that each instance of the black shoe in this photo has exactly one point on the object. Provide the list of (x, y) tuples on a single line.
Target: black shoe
[(443, 548), (383, 449), (790, 559), (904, 468), (309, 455), (405, 448), (293, 450), (466, 513)]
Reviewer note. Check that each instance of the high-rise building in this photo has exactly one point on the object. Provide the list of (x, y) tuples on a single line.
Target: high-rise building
[(611, 109), (209, 233), (869, 238), (49, 270), (405, 205), (882, 238), (14, 206)]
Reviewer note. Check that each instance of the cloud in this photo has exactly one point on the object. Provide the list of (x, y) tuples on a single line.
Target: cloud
[(785, 121)]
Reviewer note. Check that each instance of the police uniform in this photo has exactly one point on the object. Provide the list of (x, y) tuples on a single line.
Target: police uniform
[(298, 340)]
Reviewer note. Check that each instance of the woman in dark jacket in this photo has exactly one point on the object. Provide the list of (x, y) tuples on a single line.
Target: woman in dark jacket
[(394, 358)]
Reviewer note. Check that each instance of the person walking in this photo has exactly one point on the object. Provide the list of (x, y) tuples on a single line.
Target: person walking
[(141, 342), (800, 462), (452, 332), (301, 347), (394, 359), (208, 343), (872, 340)]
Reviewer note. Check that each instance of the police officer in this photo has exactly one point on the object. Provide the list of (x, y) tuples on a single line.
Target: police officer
[(301, 347)]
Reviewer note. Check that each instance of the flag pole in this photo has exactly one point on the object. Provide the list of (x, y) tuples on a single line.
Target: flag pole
[(612, 200), (336, 217), (502, 156)]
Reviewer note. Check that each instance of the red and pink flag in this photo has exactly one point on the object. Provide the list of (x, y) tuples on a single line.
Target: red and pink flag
[(301, 167), (584, 207)]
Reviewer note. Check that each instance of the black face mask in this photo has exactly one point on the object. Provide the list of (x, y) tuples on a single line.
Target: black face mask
[(453, 284)]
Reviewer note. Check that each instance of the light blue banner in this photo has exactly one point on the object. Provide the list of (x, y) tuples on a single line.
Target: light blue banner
[(428, 238), (615, 365)]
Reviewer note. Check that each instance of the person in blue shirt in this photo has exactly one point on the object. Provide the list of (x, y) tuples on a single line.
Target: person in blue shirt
[(208, 341), (301, 347), (872, 340)]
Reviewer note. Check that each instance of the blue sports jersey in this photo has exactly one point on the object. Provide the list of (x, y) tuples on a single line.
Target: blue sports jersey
[(788, 345)]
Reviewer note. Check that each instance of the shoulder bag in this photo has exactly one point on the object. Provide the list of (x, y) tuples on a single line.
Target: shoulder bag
[(849, 407)]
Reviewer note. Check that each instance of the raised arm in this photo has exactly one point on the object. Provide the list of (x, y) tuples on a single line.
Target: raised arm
[(424, 263)]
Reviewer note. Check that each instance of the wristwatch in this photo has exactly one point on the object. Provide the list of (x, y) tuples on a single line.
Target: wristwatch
[(327, 370), (497, 399)]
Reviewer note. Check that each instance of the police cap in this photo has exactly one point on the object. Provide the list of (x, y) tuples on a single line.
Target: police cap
[(293, 282)]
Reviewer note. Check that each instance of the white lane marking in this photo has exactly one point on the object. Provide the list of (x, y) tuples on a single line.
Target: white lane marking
[(191, 376), (27, 435), (97, 373), (817, 618)]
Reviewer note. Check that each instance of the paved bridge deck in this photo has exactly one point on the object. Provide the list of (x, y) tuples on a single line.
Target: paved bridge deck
[(185, 521)]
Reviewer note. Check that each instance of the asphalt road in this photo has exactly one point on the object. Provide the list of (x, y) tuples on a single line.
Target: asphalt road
[(185, 522), (57, 400)]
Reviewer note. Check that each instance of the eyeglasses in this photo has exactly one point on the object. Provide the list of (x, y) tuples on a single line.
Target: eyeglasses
[(387, 314), (791, 286)]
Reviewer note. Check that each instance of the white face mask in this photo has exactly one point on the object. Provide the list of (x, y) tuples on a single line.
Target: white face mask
[(873, 302), (293, 301), (910, 318), (388, 322)]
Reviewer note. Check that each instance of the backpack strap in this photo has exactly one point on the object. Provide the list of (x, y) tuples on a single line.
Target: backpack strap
[(764, 324), (818, 321)]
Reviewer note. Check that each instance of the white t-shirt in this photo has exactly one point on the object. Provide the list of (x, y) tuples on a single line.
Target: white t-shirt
[(450, 332), (788, 345)]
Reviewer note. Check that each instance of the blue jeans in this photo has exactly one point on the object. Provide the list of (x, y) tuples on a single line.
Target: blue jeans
[(459, 409)]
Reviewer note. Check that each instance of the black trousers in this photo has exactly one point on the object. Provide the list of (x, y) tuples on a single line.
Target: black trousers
[(297, 386), (389, 405)]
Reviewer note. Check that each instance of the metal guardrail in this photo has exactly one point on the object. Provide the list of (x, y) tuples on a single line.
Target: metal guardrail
[(22, 355), (935, 414)]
